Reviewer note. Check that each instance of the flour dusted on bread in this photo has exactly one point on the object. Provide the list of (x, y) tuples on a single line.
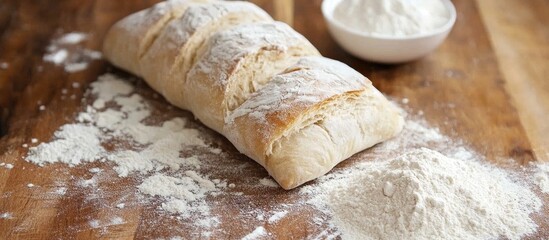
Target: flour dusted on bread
[(307, 82), (319, 113), (238, 62), (175, 51), (217, 60), (129, 38)]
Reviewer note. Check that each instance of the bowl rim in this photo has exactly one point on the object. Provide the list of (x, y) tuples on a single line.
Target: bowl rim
[(328, 15)]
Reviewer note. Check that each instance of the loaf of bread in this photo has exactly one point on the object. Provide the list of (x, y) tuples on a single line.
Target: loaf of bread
[(129, 38), (256, 81)]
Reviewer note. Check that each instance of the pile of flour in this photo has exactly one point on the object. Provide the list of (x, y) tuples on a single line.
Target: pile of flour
[(423, 194), (422, 203)]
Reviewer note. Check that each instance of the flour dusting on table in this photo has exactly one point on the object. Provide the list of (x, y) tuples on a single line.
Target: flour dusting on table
[(4, 65), (541, 176), (176, 165), (256, 234), (65, 51), (6, 215), (153, 150)]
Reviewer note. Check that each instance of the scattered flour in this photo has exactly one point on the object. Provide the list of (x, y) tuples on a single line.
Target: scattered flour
[(184, 194), (72, 38), (256, 234), (117, 221), (6, 215), (30, 185), (74, 144), (65, 52), (76, 67), (277, 216), (541, 177), (61, 191), (154, 155), (57, 57), (93, 223), (415, 133), (92, 182), (268, 182), (8, 166), (155, 150), (425, 195)]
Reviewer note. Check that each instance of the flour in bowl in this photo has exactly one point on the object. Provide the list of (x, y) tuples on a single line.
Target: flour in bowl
[(392, 17)]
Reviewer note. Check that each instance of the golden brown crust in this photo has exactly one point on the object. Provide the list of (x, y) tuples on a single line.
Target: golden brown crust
[(227, 67), (314, 113), (317, 90), (130, 37), (177, 48)]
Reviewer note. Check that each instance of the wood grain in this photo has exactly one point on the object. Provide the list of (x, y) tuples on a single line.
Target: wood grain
[(284, 11), (459, 88), (518, 31), (460, 80), (24, 86)]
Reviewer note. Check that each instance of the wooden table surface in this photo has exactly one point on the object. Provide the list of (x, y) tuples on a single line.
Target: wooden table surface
[(486, 85)]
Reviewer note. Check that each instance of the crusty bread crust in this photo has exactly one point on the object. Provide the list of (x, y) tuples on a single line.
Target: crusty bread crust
[(258, 82), (306, 120), (130, 37), (178, 46), (230, 63)]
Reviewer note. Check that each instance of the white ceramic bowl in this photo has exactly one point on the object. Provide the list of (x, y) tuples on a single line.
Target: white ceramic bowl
[(386, 49)]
